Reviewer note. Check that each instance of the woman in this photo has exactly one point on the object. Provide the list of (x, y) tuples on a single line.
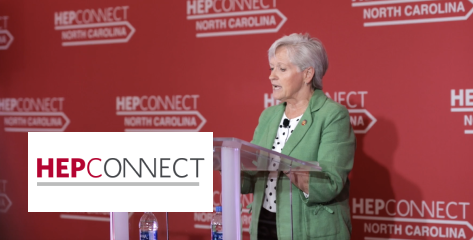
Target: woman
[(307, 126)]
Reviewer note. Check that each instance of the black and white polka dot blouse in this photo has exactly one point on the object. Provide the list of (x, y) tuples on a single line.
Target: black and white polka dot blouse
[(269, 201)]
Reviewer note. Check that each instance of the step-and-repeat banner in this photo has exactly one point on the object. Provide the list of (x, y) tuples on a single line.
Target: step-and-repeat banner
[(402, 68)]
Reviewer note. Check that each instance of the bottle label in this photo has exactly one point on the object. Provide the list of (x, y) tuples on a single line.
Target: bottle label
[(148, 235), (217, 236)]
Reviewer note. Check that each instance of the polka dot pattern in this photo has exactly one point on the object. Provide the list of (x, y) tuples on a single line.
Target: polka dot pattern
[(282, 136)]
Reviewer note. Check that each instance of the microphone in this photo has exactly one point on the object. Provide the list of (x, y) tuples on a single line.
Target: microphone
[(285, 122)]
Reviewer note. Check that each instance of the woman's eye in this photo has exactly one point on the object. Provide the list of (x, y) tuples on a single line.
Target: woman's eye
[(283, 69), (271, 69)]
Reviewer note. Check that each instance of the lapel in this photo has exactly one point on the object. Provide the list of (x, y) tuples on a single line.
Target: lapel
[(316, 102), (273, 126)]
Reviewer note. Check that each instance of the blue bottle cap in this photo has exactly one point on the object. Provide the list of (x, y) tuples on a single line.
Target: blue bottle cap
[(218, 209)]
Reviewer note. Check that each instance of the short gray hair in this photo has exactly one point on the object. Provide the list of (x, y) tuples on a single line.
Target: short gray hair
[(304, 51)]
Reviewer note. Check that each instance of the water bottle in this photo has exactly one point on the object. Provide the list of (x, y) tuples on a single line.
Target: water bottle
[(148, 227), (216, 224)]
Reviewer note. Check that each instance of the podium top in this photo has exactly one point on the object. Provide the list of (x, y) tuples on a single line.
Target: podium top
[(256, 158)]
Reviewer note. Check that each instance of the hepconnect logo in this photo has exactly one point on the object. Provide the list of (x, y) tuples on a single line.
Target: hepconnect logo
[(33, 114), (360, 118), (214, 18), (409, 219), (99, 171), (175, 113), (5, 36), (94, 26), (399, 12)]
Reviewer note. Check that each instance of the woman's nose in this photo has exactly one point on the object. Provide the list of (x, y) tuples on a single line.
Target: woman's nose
[(272, 76)]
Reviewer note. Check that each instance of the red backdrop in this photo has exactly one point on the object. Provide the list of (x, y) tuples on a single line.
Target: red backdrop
[(402, 68)]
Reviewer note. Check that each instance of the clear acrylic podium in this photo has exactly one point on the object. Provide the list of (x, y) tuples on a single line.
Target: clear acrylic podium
[(231, 156)]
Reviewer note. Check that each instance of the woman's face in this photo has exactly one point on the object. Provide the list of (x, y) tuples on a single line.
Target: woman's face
[(287, 81)]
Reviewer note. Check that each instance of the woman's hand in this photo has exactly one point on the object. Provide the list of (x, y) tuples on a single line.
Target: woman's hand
[(300, 179)]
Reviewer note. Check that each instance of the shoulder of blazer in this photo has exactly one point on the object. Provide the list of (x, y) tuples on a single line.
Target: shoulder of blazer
[(332, 108), (330, 111), (270, 111)]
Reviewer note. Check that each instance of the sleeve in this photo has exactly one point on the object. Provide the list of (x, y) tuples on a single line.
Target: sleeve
[(335, 156)]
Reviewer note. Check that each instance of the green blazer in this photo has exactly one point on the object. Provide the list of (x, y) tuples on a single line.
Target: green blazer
[(327, 137)]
